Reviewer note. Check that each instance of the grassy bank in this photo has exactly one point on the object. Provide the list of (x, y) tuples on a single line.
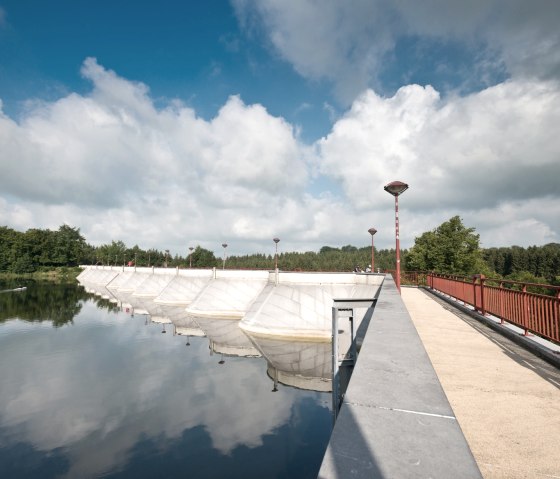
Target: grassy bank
[(59, 275)]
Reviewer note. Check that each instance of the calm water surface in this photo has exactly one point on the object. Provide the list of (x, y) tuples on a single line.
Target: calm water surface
[(87, 390)]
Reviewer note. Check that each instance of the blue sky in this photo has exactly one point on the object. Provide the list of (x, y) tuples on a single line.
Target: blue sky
[(194, 51), (176, 123)]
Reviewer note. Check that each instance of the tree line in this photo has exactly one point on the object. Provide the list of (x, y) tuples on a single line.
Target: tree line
[(40, 250), (455, 249), (450, 248)]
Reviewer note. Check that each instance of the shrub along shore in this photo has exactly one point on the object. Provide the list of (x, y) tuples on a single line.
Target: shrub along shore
[(59, 275)]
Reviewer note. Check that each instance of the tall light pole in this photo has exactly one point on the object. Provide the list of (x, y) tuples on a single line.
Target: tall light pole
[(224, 263), (276, 240), (397, 188), (372, 231), (190, 256)]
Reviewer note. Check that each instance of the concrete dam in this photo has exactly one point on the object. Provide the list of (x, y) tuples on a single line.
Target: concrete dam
[(286, 317)]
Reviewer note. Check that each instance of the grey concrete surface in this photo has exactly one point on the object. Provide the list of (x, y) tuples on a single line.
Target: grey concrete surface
[(506, 399), (395, 420)]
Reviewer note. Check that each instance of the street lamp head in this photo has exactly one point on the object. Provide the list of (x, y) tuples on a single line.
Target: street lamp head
[(396, 188), (372, 231), (276, 240)]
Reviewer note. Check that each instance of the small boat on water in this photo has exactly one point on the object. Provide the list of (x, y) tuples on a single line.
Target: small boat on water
[(21, 288)]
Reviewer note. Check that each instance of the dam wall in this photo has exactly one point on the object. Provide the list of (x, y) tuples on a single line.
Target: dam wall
[(269, 303)]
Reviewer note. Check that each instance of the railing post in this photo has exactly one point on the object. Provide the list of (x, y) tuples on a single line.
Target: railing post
[(474, 291), (525, 310), (482, 279), (502, 302)]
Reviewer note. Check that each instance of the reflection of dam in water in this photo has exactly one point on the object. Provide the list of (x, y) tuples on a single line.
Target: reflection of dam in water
[(301, 364), (285, 317), (101, 392)]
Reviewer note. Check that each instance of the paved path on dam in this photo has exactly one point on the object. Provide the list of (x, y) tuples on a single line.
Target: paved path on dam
[(506, 400)]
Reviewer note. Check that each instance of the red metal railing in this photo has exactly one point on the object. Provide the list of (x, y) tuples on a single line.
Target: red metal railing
[(507, 300), (417, 278)]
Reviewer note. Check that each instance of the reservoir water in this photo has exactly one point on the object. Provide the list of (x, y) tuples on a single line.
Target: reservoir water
[(88, 390)]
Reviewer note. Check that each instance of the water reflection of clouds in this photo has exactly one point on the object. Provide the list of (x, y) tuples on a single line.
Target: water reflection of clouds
[(53, 398), (226, 337)]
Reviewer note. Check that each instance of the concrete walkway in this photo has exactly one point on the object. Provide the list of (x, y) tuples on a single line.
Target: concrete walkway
[(395, 420), (506, 400)]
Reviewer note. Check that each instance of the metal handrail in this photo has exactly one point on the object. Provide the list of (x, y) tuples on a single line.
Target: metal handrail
[(534, 313)]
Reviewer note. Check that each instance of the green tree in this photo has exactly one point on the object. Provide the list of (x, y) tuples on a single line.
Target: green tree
[(8, 238), (203, 258), (539, 261), (450, 248), (39, 246), (114, 253), (526, 277), (69, 246)]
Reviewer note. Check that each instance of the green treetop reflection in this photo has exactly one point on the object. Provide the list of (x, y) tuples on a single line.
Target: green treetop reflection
[(45, 301)]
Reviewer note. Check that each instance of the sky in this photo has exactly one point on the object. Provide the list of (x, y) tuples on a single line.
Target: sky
[(173, 124)]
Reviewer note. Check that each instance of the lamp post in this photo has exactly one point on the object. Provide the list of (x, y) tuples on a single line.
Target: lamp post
[(166, 255), (397, 188), (190, 256), (224, 263), (372, 231), (276, 240)]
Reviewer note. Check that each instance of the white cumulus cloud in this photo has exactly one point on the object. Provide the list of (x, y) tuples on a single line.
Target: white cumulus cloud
[(466, 155), (351, 43), (110, 161), (118, 167)]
